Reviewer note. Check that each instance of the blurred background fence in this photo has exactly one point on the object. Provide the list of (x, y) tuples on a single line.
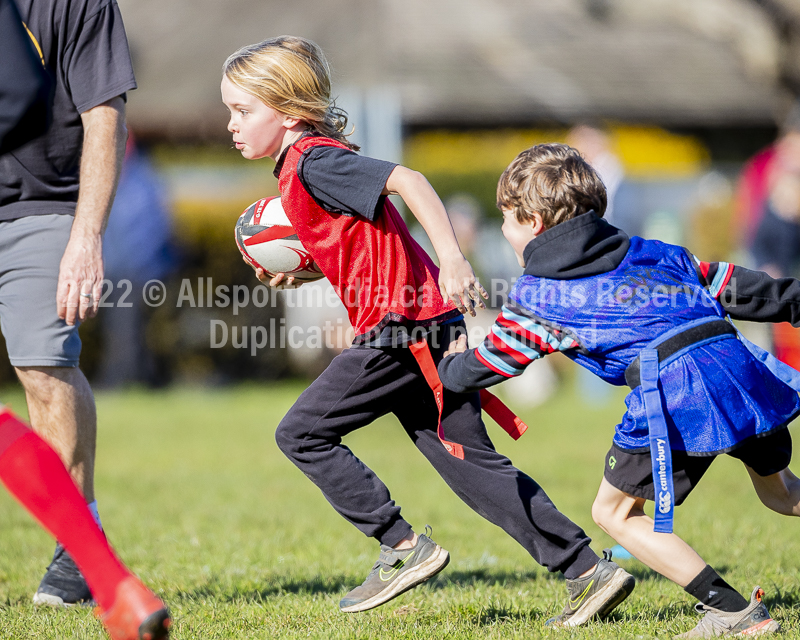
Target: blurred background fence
[(669, 99)]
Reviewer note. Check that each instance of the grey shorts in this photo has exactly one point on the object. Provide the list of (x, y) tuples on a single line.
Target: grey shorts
[(30, 254)]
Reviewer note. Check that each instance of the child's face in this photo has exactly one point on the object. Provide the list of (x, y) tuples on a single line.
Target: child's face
[(519, 234), (258, 130)]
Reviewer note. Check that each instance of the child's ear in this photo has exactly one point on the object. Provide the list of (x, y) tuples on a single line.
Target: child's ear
[(537, 223), (290, 123)]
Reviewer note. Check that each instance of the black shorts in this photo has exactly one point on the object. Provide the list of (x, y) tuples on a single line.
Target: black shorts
[(633, 472)]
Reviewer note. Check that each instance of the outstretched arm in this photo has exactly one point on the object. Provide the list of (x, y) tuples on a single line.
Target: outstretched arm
[(515, 340), (457, 281), (751, 295), (462, 372)]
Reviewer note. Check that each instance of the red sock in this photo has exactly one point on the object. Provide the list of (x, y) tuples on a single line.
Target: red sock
[(35, 476)]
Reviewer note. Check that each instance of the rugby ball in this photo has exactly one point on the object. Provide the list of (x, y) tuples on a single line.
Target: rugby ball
[(267, 239)]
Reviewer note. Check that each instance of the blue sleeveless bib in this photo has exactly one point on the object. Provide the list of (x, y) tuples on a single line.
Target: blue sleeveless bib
[(704, 399), (715, 395)]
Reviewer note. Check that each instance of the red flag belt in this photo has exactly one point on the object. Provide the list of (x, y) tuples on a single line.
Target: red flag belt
[(490, 403)]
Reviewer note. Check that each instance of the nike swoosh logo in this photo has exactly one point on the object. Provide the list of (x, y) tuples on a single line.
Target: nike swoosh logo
[(385, 576), (574, 604)]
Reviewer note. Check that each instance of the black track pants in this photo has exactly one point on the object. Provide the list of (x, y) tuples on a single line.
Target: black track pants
[(362, 384)]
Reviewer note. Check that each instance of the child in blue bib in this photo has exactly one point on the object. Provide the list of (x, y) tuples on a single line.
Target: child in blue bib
[(651, 316)]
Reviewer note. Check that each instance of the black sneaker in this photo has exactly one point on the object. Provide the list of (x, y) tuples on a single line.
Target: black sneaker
[(596, 595), (63, 585), (396, 572)]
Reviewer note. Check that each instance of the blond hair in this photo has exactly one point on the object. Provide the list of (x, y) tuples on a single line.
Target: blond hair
[(553, 180), (292, 76)]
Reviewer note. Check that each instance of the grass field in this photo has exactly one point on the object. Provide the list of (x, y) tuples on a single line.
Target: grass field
[(201, 504)]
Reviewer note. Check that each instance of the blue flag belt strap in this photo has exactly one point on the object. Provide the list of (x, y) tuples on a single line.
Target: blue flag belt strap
[(644, 371)]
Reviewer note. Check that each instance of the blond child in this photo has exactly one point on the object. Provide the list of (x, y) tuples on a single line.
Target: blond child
[(404, 311)]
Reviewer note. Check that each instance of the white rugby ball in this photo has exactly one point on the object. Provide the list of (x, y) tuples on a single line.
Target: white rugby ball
[(267, 239)]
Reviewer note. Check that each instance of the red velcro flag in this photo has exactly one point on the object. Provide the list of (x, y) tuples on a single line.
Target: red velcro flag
[(423, 356), (493, 406), (502, 415)]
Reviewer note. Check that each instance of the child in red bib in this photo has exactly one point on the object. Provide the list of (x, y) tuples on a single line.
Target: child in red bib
[(404, 311)]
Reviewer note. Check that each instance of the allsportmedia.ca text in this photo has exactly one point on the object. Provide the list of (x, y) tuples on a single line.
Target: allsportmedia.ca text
[(202, 293)]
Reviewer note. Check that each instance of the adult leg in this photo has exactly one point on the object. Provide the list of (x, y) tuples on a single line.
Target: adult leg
[(44, 351), (62, 411)]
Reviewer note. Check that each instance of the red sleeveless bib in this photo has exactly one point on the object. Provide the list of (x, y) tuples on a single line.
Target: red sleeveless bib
[(378, 270)]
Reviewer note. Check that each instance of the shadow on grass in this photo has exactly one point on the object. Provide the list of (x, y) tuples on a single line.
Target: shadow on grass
[(775, 597), (512, 578), (336, 585), (645, 574), (483, 577), (222, 592), (493, 615)]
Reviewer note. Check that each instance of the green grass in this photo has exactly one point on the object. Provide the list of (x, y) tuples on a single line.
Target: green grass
[(198, 500)]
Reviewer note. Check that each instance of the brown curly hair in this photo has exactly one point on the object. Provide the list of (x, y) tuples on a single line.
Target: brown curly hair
[(553, 180)]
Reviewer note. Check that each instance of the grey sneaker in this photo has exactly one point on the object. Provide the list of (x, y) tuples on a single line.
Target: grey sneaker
[(396, 572), (596, 595), (752, 621), (63, 585)]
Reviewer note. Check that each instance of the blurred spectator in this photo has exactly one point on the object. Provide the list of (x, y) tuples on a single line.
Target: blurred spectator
[(595, 145), (769, 215), (465, 216), (776, 248), (137, 249), (759, 176), (711, 233), (776, 245)]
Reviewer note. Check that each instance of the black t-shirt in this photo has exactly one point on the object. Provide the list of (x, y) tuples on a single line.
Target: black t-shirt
[(83, 46), (24, 85), (341, 181)]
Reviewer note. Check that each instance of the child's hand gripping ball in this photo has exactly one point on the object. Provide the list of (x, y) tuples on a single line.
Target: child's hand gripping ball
[(268, 242)]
